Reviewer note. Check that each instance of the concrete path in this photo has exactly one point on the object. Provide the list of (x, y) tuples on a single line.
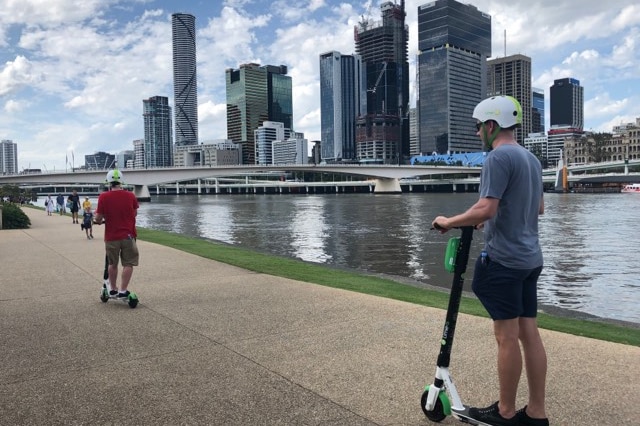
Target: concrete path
[(212, 344)]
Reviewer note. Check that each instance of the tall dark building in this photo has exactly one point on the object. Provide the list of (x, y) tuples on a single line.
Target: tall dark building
[(185, 82), (158, 144), (454, 41), (566, 103), (256, 94), (511, 76), (537, 111), (99, 161), (382, 129)]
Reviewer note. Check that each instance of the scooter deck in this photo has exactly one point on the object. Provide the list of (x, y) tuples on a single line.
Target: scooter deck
[(464, 417)]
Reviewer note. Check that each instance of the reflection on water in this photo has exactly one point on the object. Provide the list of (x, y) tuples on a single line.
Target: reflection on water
[(589, 240)]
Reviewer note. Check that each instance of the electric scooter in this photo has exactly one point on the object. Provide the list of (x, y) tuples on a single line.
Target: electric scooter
[(441, 399), (131, 299)]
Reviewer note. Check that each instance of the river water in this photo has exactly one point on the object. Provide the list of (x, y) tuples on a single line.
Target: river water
[(590, 241)]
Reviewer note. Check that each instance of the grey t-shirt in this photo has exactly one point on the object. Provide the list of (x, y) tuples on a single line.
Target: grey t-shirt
[(514, 176)]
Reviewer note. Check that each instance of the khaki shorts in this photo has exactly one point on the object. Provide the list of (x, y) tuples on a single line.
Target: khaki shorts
[(125, 250)]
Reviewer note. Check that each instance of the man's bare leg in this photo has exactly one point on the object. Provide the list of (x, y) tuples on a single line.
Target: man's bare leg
[(509, 364), (535, 358)]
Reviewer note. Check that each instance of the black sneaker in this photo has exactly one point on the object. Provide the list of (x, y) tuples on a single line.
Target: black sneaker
[(491, 415), (113, 293), (123, 294), (525, 420)]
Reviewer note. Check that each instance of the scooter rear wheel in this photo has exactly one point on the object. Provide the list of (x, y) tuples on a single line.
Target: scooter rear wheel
[(437, 414)]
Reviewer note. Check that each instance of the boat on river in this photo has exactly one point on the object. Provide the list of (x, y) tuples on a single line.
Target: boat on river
[(633, 187)]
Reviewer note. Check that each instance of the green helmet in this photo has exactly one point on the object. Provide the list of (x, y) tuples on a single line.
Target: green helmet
[(115, 175), (504, 110)]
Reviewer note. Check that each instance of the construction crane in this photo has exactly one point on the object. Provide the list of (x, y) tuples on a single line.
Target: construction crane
[(375, 86)]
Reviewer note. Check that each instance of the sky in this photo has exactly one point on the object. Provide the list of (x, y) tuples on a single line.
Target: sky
[(73, 73)]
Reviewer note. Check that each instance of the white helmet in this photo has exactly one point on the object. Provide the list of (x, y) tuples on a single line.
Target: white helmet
[(504, 110), (115, 175)]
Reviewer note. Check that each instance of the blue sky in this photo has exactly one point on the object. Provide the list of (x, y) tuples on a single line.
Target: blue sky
[(73, 73)]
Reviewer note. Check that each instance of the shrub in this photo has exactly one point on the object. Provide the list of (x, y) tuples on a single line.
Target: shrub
[(13, 217)]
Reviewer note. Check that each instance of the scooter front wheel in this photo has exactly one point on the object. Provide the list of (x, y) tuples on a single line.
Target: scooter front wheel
[(438, 413)]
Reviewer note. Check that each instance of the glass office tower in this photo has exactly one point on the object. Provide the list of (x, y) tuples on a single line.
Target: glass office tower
[(185, 82), (158, 143), (339, 105), (454, 41), (566, 103), (256, 94), (537, 111)]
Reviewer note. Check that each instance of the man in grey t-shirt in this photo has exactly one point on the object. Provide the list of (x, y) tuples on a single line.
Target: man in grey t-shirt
[(506, 273)]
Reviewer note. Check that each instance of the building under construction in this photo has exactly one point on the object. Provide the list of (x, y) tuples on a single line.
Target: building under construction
[(382, 128)]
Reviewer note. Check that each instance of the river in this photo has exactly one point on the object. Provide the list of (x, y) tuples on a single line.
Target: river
[(590, 241)]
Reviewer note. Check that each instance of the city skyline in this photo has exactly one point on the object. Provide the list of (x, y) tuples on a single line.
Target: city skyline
[(73, 73)]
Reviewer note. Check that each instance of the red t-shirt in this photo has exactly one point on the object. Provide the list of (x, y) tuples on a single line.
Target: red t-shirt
[(119, 209)]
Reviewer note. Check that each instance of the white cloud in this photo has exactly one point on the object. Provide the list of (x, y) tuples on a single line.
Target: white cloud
[(17, 74), (13, 106)]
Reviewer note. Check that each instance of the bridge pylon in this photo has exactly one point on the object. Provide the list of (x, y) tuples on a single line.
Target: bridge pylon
[(387, 186)]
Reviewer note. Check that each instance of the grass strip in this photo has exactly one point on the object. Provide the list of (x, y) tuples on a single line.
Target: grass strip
[(368, 284)]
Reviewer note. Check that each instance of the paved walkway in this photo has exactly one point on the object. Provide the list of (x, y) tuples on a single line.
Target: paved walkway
[(212, 344)]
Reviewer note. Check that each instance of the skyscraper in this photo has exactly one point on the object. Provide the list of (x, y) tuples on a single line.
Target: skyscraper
[(158, 143), (256, 94), (8, 157), (511, 76), (185, 82), (454, 40), (382, 128), (339, 105), (537, 111), (566, 103)]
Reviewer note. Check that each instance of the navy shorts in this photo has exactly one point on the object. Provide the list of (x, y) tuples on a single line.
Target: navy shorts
[(504, 292)]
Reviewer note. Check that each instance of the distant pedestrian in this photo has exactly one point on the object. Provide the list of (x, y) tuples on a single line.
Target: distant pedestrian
[(87, 221), (60, 204), (74, 205), (86, 203), (49, 205)]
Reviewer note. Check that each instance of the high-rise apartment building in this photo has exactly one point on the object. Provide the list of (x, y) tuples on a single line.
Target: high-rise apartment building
[(138, 153), (414, 148), (566, 103), (511, 76), (256, 94), (8, 157), (185, 82), (265, 135), (339, 105), (454, 41), (158, 143), (537, 111), (382, 129)]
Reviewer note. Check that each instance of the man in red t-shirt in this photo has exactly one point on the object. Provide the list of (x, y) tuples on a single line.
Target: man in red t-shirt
[(117, 209)]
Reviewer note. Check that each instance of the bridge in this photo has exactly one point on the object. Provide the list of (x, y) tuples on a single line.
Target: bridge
[(387, 177)]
